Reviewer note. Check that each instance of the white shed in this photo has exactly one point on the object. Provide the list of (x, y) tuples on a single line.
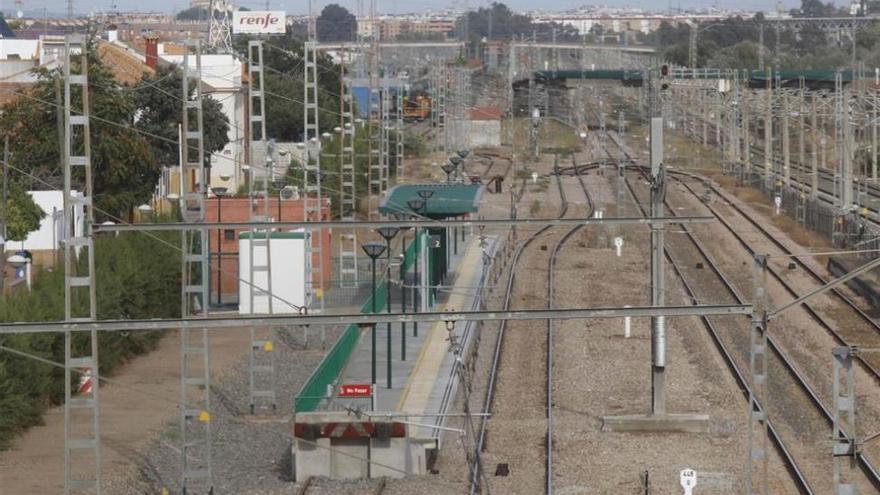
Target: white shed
[(287, 269)]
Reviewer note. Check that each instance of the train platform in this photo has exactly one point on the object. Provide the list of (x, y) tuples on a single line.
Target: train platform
[(419, 383)]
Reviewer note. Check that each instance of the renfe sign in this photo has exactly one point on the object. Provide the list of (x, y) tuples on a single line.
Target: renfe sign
[(356, 390), (259, 22)]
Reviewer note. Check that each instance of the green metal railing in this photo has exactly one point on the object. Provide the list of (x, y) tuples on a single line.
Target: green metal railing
[(327, 373)]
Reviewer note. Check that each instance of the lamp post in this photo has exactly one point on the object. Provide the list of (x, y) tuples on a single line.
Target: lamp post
[(448, 168), (403, 291), (219, 192), (388, 233), (373, 250), (455, 161), (279, 184), (416, 205)]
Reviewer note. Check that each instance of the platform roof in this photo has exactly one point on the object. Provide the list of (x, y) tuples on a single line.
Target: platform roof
[(447, 200)]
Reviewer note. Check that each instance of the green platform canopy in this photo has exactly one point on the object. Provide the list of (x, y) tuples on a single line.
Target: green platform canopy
[(448, 200)]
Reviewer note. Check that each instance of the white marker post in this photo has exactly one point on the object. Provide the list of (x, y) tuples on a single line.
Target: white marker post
[(627, 324), (534, 177), (688, 480), (777, 200), (618, 245)]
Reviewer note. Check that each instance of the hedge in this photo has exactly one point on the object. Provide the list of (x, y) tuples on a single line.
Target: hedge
[(137, 276)]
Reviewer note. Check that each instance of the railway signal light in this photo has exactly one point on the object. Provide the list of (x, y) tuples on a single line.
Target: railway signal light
[(664, 73)]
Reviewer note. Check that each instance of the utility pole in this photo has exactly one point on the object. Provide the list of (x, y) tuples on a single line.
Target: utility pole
[(5, 217), (385, 136), (82, 436), (348, 245), (845, 447), (658, 195), (313, 210), (756, 465), (398, 129), (768, 134), (761, 47), (374, 142), (692, 45), (195, 374), (746, 131), (786, 157), (844, 144), (814, 143), (261, 362)]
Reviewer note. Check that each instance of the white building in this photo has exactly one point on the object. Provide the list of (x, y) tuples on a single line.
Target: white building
[(48, 237), (221, 78), (18, 57)]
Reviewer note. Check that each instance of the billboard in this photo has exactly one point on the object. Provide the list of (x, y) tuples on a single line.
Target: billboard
[(259, 22)]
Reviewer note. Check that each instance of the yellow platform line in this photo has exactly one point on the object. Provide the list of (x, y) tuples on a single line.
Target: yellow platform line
[(421, 380)]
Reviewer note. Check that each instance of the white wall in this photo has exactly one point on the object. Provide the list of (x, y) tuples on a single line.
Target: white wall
[(23, 49), (484, 133), (51, 231), (288, 282)]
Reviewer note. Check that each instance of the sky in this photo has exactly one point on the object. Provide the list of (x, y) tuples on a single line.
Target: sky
[(36, 7)]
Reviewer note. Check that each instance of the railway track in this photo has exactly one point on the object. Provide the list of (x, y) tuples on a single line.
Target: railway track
[(492, 386), (551, 296), (713, 326), (785, 360)]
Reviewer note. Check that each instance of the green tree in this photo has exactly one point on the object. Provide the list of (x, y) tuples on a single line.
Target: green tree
[(160, 111), (284, 87), (336, 23), (193, 14), (123, 169), (498, 22), (23, 215)]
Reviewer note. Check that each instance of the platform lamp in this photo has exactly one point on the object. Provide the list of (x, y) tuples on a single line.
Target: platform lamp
[(388, 233), (416, 206), (455, 161), (373, 250), (425, 194), (448, 168)]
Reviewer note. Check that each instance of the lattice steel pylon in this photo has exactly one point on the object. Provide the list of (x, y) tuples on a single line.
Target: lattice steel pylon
[(348, 246), (398, 129), (196, 474), (220, 27), (312, 202), (82, 439), (261, 362), (374, 140), (756, 465), (386, 138)]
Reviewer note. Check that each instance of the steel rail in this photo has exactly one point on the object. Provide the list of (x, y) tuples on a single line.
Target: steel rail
[(499, 340), (788, 459), (864, 463), (551, 294)]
